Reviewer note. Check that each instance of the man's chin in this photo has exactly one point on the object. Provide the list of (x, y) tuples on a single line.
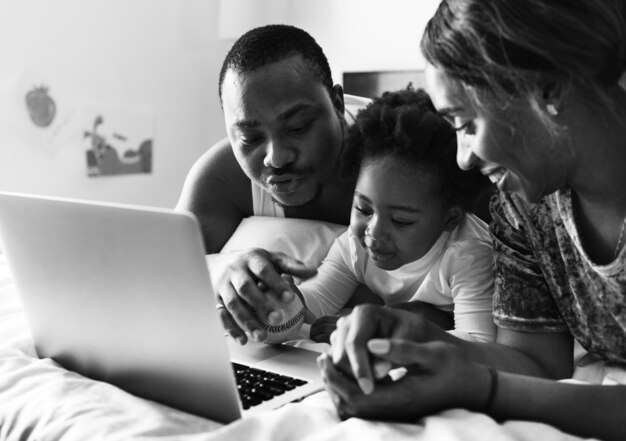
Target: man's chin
[(289, 202), (296, 199)]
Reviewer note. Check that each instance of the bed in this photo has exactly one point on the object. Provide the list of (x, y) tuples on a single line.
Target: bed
[(41, 400)]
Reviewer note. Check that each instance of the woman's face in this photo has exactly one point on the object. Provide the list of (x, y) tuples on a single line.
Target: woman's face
[(396, 214), (507, 141)]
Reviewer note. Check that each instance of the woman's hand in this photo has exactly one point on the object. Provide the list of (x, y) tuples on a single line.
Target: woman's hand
[(349, 342), (252, 279), (438, 376)]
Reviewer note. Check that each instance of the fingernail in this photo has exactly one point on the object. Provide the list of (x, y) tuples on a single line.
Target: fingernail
[(381, 368), (366, 385), (275, 317), (378, 346), (287, 296)]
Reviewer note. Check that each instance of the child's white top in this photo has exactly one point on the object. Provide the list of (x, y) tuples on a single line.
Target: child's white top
[(455, 275)]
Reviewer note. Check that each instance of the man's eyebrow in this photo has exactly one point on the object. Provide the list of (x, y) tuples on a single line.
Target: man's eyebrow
[(295, 109), (252, 123)]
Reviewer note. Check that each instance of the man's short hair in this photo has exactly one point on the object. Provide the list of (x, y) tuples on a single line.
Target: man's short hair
[(268, 44)]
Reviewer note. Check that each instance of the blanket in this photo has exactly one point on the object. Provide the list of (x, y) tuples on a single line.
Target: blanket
[(41, 400)]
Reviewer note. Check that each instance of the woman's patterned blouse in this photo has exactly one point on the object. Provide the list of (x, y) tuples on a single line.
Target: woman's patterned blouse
[(545, 282)]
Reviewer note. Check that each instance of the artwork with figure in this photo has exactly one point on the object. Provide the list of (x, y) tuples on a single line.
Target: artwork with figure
[(112, 149)]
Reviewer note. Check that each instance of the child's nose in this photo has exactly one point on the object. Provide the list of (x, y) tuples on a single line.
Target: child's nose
[(376, 230)]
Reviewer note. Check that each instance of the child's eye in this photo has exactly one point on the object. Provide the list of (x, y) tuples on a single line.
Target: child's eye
[(401, 223)]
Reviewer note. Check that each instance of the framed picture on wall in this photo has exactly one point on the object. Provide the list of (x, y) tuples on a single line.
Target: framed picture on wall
[(374, 83)]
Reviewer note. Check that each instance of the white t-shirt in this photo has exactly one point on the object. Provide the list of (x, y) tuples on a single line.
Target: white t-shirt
[(455, 275), (262, 203)]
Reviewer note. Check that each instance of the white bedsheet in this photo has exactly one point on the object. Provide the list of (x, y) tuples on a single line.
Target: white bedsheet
[(40, 400)]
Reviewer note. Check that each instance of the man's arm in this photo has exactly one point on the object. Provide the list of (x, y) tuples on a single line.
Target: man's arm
[(218, 192)]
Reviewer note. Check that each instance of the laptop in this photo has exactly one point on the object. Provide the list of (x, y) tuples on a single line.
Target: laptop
[(122, 294)]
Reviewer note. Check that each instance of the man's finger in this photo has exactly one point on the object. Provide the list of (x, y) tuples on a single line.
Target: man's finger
[(342, 386), (289, 265), (231, 327), (240, 312), (264, 270), (253, 294)]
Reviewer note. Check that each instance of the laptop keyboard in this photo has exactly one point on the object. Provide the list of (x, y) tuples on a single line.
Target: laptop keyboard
[(256, 385)]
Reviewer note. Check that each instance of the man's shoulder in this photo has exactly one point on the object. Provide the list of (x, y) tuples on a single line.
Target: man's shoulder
[(216, 183)]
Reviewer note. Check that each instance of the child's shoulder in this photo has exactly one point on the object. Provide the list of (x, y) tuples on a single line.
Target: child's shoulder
[(471, 228)]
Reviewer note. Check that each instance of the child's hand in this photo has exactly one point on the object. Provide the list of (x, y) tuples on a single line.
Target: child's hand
[(323, 327)]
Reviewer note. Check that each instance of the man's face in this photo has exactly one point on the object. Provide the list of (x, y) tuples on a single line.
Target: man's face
[(284, 129)]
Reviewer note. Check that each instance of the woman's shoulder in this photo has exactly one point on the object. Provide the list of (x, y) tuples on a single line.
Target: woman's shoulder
[(514, 211)]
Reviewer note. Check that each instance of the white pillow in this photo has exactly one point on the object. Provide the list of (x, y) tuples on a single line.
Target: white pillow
[(304, 239)]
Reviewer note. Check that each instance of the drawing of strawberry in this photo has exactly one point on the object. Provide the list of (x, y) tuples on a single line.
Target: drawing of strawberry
[(41, 106)]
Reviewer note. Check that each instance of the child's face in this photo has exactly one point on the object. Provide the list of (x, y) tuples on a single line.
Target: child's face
[(395, 215)]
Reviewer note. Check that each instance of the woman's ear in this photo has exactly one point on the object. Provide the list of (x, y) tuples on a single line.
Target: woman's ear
[(337, 99), (453, 218), (552, 97)]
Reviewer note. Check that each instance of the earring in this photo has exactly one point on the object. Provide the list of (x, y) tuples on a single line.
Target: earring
[(551, 109)]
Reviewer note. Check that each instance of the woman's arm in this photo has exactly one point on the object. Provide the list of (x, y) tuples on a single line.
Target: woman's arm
[(547, 355), (581, 409), (443, 377)]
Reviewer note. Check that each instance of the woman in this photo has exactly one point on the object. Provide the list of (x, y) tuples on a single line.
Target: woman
[(532, 89)]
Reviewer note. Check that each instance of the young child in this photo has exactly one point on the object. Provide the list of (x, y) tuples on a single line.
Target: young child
[(411, 240)]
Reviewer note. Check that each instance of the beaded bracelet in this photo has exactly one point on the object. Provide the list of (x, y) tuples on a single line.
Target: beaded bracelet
[(493, 388)]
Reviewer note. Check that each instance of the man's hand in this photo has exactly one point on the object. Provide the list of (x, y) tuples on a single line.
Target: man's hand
[(253, 280)]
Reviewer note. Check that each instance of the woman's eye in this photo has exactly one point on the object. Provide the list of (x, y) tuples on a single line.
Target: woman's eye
[(469, 128), (362, 210)]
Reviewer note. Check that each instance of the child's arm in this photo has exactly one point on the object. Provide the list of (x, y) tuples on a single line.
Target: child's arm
[(335, 282), (469, 267)]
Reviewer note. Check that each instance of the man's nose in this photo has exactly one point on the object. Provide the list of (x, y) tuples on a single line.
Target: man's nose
[(278, 154)]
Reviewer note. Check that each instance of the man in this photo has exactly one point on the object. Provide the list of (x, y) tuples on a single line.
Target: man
[(284, 119)]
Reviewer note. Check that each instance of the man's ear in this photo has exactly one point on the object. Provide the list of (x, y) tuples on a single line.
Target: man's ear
[(454, 216), (337, 99)]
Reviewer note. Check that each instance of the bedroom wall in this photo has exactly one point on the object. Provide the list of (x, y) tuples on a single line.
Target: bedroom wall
[(158, 55), (163, 57)]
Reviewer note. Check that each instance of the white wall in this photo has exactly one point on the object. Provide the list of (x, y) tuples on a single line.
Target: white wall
[(162, 54), (166, 54)]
